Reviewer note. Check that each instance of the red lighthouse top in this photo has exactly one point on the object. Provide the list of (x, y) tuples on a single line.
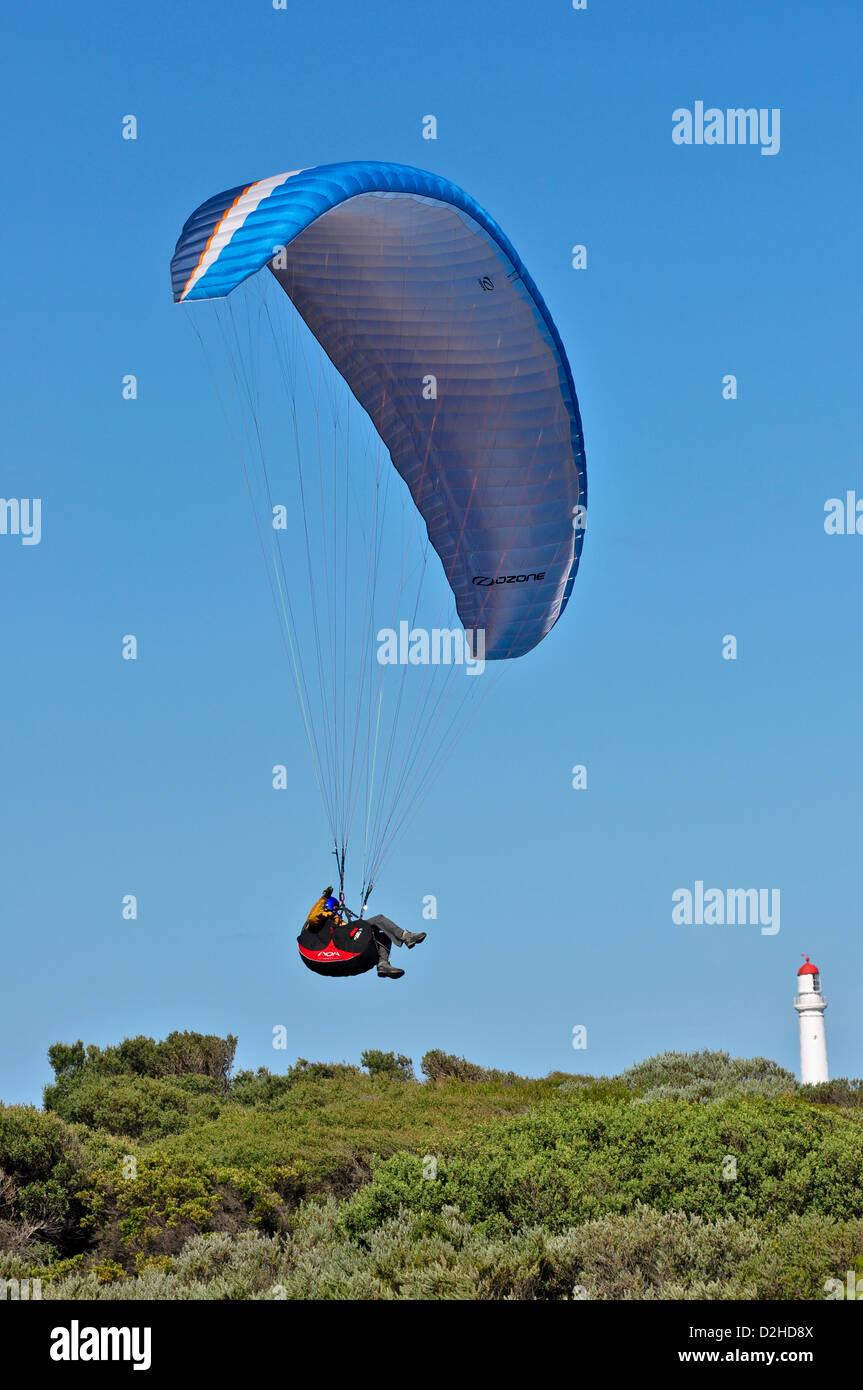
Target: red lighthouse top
[(808, 968)]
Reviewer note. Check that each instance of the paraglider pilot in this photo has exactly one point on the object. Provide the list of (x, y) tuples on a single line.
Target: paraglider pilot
[(329, 925)]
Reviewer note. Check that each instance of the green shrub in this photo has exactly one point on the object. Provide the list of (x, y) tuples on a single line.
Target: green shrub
[(267, 1090), (794, 1260), (144, 1262), (261, 1088), (164, 1200), (566, 1164), (442, 1066), (387, 1064), (691, 1176), (706, 1076), (642, 1254), (839, 1091), (179, 1054), (591, 1088), (108, 1272), (55, 1271), (134, 1107), (40, 1159)]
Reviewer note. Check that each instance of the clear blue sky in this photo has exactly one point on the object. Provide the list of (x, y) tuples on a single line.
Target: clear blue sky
[(706, 518)]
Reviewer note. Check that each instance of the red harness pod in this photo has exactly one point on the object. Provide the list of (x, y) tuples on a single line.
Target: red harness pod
[(350, 950)]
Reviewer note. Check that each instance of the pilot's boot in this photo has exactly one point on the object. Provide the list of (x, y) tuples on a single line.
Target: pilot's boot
[(413, 938), (385, 970)]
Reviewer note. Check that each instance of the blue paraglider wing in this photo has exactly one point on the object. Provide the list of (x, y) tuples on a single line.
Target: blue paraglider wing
[(426, 310)]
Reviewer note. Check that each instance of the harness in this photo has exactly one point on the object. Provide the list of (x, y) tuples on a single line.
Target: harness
[(351, 949)]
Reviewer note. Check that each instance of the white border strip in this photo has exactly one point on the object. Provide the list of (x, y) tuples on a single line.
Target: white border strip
[(231, 221)]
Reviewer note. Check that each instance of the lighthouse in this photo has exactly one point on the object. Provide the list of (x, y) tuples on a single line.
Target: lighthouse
[(810, 1005)]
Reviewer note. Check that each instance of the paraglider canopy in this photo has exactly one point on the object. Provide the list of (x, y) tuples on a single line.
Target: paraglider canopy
[(428, 313)]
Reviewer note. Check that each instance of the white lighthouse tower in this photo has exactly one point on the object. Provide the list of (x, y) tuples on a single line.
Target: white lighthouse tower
[(810, 1005)]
